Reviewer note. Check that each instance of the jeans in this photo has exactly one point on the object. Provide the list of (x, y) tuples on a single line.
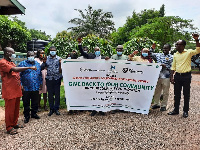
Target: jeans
[(53, 88)]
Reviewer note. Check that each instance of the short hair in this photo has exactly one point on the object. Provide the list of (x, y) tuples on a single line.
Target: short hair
[(184, 42), (168, 45), (6, 49), (28, 53), (52, 47)]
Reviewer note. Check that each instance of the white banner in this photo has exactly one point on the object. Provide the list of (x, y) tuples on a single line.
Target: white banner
[(108, 85)]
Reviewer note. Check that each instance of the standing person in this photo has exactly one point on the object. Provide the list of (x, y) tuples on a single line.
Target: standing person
[(85, 50), (53, 80), (96, 55), (31, 81), (163, 83), (40, 58), (11, 89), (119, 55), (181, 66)]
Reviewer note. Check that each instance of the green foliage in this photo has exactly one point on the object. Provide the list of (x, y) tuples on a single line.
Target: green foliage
[(138, 44), (122, 35), (65, 45), (165, 29), (12, 34), (38, 34), (94, 22)]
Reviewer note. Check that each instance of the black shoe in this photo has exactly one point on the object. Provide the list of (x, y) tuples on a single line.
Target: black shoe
[(93, 113), (50, 112), (102, 113), (163, 109), (35, 116), (173, 113), (57, 112), (26, 120), (185, 114), (155, 106)]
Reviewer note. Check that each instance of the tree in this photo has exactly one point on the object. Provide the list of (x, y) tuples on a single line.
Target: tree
[(94, 22), (165, 29), (13, 34), (122, 35), (38, 34)]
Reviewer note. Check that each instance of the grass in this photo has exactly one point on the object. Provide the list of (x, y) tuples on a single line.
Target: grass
[(62, 100)]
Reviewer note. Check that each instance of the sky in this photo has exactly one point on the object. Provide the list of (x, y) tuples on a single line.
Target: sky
[(52, 16)]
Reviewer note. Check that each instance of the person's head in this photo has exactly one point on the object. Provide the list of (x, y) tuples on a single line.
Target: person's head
[(85, 49), (9, 53), (97, 51), (30, 56), (145, 52), (119, 50), (166, 49), (153, 45), (52, 50), (39, 53), (180, 45)]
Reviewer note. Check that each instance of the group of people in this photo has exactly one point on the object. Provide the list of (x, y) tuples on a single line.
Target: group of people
[(41, 74)]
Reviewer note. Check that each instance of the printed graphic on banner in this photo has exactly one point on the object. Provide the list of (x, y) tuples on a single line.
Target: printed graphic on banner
[(108, 85)]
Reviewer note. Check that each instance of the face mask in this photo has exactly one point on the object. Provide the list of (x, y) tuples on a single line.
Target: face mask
[(31, 59), (119, 53), (69, 58), (144, 54), (52, 53), (13, 56), (97, 53), (85, 51)]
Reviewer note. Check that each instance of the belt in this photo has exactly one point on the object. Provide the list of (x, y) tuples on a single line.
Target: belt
[(183, 74)]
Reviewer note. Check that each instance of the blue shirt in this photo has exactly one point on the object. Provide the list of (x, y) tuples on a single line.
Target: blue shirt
[(53, 65), (31, 79), (167, 60)]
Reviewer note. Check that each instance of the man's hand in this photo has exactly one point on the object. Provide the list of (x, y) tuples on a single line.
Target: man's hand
[(22, 89), (60, 60), (172, 80), (163, 65), (134, 53), (195, 36), (44, 59), (33, 68), (40, 87), (106, 58)]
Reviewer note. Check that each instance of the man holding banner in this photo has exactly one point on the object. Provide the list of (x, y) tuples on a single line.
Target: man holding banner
[(181, 66)]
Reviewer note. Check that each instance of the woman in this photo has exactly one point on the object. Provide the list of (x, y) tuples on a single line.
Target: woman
[(39, 58), (145, 56)]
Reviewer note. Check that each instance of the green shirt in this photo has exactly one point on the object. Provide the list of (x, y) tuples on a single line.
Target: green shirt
[(122, 57)]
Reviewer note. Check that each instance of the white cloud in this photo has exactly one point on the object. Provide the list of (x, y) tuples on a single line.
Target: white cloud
[(52, 16)]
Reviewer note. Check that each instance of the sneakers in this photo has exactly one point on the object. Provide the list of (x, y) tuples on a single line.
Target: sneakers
[(155, 106), (163, 109)]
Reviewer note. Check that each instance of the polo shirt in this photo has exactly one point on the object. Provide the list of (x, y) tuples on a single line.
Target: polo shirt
[(182, 61), (11, 87)]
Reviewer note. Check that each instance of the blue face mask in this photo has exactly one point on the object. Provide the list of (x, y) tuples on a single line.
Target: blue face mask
[(97, 53), (31, 59), (13, 56), (69, 58), (52, 53), (119, 53), (144, 54)]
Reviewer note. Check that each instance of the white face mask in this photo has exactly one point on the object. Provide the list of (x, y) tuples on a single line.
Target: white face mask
[(31, 59)]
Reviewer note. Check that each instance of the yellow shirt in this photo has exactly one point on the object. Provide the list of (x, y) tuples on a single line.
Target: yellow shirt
[(182, 61)]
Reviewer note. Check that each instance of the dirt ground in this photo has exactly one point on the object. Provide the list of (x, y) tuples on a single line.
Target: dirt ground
[(2, 116)]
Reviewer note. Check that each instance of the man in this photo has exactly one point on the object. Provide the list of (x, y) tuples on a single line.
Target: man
[(11, 89), (31, 81), (85, 50), (53, 80), (163, 83), (181, 66), (119, 55), (96, 55)]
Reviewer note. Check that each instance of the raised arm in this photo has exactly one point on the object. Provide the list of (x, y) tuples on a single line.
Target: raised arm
[(196, 38)]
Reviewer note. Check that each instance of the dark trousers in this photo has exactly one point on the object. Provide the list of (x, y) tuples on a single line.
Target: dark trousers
[(53, 88), (27, 96), (182, 80)]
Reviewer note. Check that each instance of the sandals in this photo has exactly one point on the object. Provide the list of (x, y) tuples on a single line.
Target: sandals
[(12, 131), (18, 126)]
